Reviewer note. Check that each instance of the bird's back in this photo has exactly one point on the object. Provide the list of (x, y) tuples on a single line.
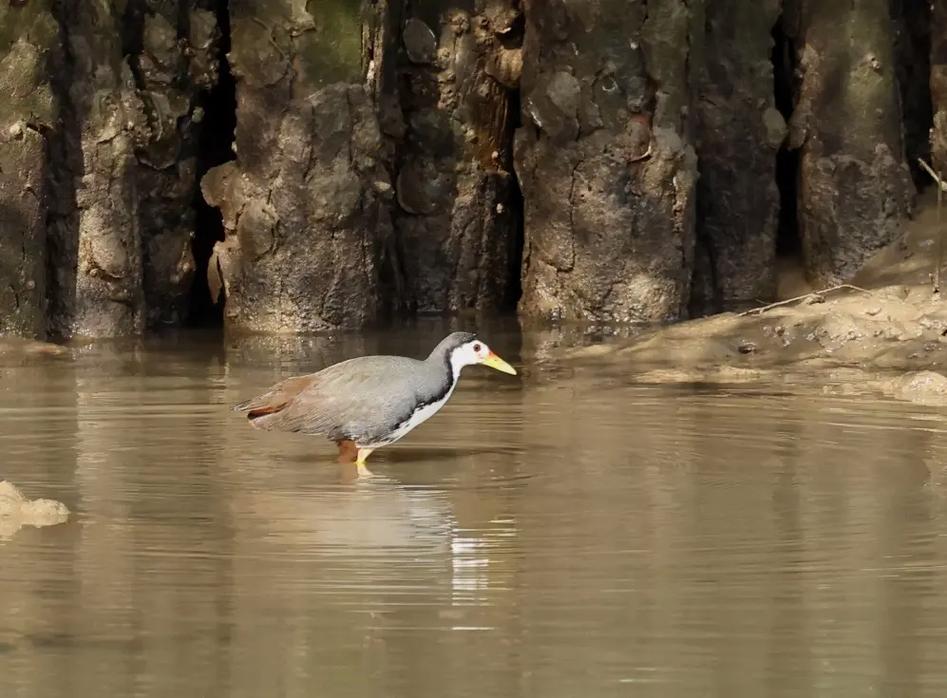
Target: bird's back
[(361, 399)]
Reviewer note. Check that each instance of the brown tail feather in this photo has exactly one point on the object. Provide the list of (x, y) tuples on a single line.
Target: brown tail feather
[(276, 399), (265, 410)]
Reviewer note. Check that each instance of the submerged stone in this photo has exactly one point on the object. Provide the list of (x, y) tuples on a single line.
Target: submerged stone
[(16, 511)]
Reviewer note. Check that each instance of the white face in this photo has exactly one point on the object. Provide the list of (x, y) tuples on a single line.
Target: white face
[(477, 352), (473, 352)]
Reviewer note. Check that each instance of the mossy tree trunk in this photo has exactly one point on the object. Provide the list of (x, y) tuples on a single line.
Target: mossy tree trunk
[(28, 35), (305, 205), (854, 185), (376, 143), (605, 160)]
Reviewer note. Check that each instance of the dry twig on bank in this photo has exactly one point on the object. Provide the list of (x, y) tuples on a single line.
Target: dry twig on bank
[(812, 294)]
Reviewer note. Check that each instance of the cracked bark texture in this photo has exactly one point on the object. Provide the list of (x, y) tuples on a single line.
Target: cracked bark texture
[(938, 84), (739, 132), (305, 204), (96, 280), (854, 185), (128, 82), (456, 219), (605, 161), (28, 34), (174, 61)]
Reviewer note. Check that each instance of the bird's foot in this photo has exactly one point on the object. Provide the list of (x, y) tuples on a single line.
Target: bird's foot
[(363, 454)]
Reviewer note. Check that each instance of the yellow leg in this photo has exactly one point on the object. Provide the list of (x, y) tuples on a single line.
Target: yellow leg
[(363, 454)]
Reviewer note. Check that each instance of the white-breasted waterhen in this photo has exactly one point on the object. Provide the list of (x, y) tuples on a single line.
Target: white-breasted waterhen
[(365, 403)]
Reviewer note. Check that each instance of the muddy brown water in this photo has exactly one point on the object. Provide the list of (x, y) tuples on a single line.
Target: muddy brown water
[(564, 533)]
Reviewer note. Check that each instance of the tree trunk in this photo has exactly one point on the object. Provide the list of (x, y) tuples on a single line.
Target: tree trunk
[(174, 61), (854, 186), (604, 159), (739, 133), (304, 205), (938, 84), (128, 83), (96, 242), (27, 111), (456, 220), (912, 26)]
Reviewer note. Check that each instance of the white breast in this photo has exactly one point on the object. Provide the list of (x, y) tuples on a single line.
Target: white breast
[(422, 414), (419, 416)]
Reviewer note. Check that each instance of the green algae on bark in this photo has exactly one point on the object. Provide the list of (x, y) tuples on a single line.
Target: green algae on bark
[(306, 204)]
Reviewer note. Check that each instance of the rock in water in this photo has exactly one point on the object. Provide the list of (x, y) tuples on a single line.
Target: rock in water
[(16, 511), (922, 388)]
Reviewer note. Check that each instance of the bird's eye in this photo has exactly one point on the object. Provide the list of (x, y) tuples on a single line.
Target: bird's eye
[(477, 348)]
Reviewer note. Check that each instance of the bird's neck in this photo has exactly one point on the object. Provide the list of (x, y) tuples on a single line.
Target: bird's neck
[(451, 363), (456, 365)]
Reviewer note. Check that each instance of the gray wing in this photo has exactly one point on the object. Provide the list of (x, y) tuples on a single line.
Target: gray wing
[(361, 399)]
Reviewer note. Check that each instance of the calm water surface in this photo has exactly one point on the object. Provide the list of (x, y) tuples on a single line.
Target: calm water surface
[(563, 533)]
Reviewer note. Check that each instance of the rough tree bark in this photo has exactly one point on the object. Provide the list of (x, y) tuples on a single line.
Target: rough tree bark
[(94, 233), (173, 60), (456, 222), (738, 134), (304, 205), (101, 110), (28, 33), (604, 160), (854, 186), (128, 84)]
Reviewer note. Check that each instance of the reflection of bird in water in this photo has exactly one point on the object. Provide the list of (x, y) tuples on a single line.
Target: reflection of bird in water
[(376, 515), (365, 403)]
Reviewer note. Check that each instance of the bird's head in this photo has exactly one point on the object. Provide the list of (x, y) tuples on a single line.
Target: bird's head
[(467, 350)]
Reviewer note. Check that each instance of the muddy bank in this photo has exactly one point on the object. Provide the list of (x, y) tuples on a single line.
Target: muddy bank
[(886, 323), (16, 511)]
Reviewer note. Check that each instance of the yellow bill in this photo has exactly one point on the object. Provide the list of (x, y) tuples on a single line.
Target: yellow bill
[(494, 361)]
